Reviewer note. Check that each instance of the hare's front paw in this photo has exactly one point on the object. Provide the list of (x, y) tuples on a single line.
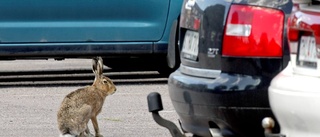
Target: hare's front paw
[(99, 135), (86, 135), (90, 135)]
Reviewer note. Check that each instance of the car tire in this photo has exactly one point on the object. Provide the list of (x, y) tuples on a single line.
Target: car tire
[(128, 64), (150, 63)]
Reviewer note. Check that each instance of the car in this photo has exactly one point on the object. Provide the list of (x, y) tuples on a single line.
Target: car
[(230, 51), (118, 30), (294, 93)]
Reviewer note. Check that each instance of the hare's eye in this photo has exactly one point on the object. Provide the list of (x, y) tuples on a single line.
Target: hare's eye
[(105, 81)]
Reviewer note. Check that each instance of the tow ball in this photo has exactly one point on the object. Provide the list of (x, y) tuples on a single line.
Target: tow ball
[(155, 105), (268, 125)]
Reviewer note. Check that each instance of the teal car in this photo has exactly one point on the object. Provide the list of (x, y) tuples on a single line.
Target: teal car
[(118, 30)]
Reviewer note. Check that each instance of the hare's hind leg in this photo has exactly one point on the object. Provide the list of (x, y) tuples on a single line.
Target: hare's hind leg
[(95, 126), (87, 131), (84, 114)]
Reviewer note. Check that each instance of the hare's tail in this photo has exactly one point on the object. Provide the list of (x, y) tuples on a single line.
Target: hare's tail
[(67, 135)]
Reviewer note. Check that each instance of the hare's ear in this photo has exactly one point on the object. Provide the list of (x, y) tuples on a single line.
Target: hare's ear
[(100, 66), (95, 66)]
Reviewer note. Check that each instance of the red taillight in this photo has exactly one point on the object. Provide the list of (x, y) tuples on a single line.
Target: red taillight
[(293, 33), (303, 23), (196, 24), (253, 32)]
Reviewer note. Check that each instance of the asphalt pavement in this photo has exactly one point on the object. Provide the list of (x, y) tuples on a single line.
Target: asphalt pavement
[(31, 111)]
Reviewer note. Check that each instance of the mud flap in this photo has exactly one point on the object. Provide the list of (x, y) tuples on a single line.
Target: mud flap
[(173, 57)]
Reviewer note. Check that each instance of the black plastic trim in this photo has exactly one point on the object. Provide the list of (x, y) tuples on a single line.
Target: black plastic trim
[(34, 50), (234, 102)]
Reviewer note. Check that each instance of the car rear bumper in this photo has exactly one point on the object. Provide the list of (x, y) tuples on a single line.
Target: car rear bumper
[(234, 103), (295, 101)]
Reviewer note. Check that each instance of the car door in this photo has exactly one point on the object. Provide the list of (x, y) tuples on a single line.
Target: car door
[(35, 21)]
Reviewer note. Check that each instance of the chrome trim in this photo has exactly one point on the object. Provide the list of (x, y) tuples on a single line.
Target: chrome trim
[(311, 8), (293, 47), (206, 73)]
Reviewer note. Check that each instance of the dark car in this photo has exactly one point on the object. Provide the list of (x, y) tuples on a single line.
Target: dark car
[(230, 51), (118, 30)]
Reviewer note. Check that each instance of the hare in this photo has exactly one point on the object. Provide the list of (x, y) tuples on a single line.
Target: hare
[(84, 104)]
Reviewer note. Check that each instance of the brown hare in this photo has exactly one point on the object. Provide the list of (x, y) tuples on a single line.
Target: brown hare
[(84, 104)]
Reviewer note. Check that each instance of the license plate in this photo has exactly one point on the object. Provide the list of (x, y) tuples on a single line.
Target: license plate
[(190, 47), (307, 50)]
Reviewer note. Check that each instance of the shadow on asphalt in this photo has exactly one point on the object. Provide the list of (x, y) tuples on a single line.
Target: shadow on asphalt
[(80, 77)]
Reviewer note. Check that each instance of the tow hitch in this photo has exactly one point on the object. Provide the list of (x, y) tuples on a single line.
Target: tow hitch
[(155, 105), (268, 124)]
